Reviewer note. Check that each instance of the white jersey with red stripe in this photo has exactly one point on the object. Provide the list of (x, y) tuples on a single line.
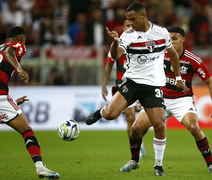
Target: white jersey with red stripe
[(145, 54), (190, 64)]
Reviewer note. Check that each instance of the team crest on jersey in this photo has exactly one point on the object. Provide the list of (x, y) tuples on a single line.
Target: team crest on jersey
[(150, 45), (125, 89)]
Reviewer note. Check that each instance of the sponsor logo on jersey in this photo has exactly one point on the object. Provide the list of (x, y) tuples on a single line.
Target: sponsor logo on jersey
[(142, 59), (201, 72), (3, 116)]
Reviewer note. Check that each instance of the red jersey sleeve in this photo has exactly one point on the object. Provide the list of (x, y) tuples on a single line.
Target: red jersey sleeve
[(19, 48), (201, 70)]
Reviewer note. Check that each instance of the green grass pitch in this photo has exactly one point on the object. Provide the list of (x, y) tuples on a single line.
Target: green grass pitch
[(98, 155)]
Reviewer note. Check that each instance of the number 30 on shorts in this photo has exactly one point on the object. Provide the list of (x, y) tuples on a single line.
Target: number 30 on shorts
[(158, 93)]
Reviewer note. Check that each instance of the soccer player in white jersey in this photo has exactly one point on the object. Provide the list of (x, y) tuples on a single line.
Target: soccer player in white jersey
[(179, 104), (144, 45)]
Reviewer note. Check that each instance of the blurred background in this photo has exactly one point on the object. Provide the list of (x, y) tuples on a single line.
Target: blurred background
[(67, 44), (66, 39)]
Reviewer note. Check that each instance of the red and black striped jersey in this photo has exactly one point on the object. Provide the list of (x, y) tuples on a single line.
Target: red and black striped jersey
[(6, 69), (120, 65), (190, 64)]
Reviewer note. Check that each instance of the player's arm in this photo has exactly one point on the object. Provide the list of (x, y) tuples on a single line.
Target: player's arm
[(115, 50), (106, 76), (10, 56), (174, 58)]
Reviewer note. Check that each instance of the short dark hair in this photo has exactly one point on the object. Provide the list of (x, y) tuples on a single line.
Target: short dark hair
[(137, 7), (177, 29), (15, 31)]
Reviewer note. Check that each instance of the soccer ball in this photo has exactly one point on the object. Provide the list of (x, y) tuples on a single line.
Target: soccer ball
[(68, 130)]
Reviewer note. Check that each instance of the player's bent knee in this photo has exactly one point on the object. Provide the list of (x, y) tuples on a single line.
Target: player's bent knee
[(135, 132), (159, 127), (111, 114)]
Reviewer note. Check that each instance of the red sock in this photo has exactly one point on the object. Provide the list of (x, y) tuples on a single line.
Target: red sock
[(32, 145), (204, 148)]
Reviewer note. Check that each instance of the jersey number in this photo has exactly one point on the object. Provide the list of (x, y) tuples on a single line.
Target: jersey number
[(158, 93)]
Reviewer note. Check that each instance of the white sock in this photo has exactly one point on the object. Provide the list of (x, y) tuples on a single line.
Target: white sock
[(38, 164), (101, 111), (159, 148)]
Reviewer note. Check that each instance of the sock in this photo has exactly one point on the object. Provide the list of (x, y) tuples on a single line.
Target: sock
[(32, 145), (159, 148), (101, 111), (204, 148), (135, 145), (39, 164)]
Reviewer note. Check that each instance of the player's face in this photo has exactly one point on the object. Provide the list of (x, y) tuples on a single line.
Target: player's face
[(127, 25), (177, 40), (137, 20)]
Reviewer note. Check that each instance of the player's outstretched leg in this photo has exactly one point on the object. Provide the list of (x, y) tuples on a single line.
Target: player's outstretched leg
[(33, 148), (131, 165), (94, 117)]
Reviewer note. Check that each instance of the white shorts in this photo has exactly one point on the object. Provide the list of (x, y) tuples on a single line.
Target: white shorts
[(8, 109), (178, 107)]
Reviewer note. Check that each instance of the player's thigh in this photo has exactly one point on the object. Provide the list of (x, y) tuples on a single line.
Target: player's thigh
[(20, 123), (142, 122), (130, 115), (117, 104), (156, 115)]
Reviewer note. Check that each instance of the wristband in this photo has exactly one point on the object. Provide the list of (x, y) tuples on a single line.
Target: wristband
[(178, 78)]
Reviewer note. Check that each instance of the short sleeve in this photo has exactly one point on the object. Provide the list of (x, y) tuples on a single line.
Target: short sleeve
[(19, 48), (125, 40), (168, 41)]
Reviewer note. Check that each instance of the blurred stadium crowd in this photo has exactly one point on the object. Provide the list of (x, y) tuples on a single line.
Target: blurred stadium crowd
[(83, 22)]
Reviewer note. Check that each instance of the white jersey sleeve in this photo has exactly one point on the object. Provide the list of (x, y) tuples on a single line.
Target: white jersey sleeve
[(167, 39), (125, 39)]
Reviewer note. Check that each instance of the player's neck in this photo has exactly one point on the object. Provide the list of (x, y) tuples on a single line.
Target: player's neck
[(180, 51)]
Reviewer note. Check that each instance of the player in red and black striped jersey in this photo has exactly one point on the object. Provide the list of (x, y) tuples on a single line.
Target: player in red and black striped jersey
[(179, 104), (11, 53)]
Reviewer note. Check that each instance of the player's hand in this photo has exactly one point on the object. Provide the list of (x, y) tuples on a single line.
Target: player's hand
[(113, 34), (104, 93), (23, 75), (182, 85), (21, 100)]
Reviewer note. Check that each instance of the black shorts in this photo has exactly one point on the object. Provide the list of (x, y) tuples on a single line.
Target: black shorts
[(149, 96)]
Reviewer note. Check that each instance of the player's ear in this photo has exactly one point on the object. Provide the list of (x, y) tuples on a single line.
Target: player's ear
[(183, 39)]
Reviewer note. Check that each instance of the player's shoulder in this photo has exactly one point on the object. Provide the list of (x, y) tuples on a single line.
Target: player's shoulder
[(158, 28), (129, 31), (189, 55)]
